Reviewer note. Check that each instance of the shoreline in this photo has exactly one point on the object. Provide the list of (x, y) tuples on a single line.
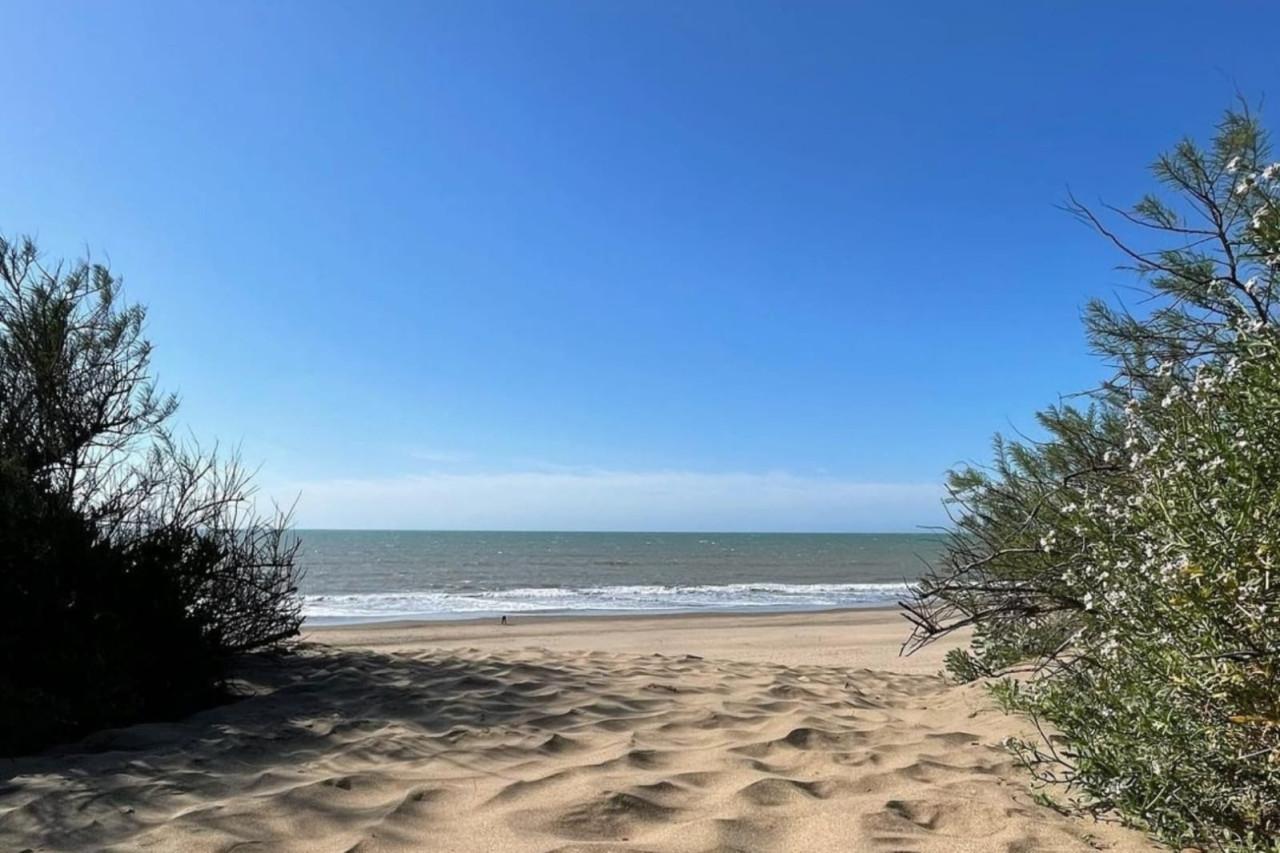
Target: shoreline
[(546, 617), (870, 638), (436, 606)]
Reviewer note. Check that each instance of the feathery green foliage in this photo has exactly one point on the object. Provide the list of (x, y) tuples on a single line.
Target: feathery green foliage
[(1124, 560)]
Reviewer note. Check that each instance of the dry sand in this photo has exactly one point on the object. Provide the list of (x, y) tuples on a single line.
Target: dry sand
[(733, 733)]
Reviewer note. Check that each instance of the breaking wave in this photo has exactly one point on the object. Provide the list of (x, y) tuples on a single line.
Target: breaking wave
[(380, 606)]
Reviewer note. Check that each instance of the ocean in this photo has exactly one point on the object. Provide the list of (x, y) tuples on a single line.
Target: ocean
[(368, 576)]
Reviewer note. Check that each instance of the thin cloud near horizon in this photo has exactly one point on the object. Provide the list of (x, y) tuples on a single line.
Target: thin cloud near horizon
[(612, 500)]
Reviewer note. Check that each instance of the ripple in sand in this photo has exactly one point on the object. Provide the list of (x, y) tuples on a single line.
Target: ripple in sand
[(781, 792), (612, 816)]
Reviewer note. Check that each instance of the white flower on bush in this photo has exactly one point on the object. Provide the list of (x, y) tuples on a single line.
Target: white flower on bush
[(1047, 542)]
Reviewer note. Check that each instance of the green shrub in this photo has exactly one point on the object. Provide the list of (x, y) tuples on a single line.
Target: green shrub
[(132, 569), (1126, 560), (1170, 691)]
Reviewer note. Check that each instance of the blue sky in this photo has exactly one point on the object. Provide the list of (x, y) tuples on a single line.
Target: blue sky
[(761, 266)]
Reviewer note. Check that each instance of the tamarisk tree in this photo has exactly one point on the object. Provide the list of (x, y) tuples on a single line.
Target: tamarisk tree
[(1124, 560), (132, 566)]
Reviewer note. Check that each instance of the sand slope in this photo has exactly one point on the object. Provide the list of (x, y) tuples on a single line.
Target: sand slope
[(537, 750)]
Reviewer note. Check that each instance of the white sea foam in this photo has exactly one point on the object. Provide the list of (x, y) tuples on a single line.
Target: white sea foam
[(635, 598)]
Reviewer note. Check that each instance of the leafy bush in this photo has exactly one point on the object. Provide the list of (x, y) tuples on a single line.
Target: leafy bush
[(1126, 560), (1169, 691), (131, 568)]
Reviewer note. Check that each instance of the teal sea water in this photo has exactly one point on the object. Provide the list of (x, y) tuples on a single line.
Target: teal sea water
[(362, 576)]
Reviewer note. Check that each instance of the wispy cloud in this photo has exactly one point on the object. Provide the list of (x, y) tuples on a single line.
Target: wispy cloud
[(616, 500), (440, 457)]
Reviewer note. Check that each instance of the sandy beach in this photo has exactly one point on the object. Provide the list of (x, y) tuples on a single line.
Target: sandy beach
[(681, 734)]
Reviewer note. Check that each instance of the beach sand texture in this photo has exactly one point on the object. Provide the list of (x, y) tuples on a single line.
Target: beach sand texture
[(651, 734)]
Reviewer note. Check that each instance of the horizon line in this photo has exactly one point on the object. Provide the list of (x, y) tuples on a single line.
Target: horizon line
[(920, 532)]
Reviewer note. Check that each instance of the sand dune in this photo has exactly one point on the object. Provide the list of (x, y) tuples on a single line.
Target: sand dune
[(468, 749)]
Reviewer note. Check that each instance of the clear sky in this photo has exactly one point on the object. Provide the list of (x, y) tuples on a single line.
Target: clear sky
[(605, 265)]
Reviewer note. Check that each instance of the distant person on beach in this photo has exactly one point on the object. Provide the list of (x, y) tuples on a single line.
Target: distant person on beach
[(504, 620)]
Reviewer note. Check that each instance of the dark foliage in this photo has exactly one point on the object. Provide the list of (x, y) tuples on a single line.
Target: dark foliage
[(132, 568)]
